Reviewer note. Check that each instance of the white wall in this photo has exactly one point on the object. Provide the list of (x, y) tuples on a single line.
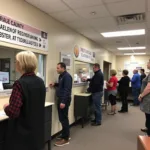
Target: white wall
[(61, 38), (120, 60)]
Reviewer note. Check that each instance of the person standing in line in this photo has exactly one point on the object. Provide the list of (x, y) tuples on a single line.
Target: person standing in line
[(25, 129), (144, 99), (112, 91), (143, 75), (136, 86), (63, 92), (123, 90), (96, 88)]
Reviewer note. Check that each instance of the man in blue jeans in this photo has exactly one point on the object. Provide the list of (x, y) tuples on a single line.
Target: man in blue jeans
[(136, 85), (96, 88)]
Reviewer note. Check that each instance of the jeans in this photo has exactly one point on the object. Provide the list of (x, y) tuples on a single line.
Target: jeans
[(63, 118), (136, 93), (97, 99), (148, 123)]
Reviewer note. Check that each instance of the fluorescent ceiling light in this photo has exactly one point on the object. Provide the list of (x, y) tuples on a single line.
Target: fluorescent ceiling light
[(134, 53), (131, 48), (124, 33)]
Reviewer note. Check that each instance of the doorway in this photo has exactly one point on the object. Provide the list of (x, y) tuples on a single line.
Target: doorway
[(106, 70)]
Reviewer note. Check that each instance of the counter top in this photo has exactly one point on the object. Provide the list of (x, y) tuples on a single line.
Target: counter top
[(143, 143), (3, 116), (82, 94)]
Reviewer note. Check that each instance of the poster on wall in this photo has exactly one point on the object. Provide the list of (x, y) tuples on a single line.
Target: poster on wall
[(4, 77), (18, 33), (84, 54), (67, 59), (130, 66)]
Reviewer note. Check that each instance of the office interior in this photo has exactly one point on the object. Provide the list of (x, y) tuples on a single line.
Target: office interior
[(66, 29)]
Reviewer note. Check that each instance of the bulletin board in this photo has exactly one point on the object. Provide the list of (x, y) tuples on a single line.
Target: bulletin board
[(130, 66)]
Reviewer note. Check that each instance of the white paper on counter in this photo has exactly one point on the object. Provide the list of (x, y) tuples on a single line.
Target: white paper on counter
[(105, 87), (1, 86), (2, 113)]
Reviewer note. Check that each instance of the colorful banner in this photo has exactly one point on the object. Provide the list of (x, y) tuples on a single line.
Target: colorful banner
[(15, 32), (84, 54)]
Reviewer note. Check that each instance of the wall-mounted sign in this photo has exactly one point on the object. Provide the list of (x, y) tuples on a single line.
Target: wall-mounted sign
[(67, 59), (4, 77), (15, 32), (84, 54)]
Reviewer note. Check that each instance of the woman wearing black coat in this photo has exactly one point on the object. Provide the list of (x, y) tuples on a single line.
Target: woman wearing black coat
[(123, 90)]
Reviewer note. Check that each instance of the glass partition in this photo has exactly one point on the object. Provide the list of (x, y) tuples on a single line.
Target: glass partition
[(8, 74), (81, 70)]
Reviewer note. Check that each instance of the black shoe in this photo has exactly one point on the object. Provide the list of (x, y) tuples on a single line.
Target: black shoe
[(93, 121), (96, 124), (121, 111), (144, 130)]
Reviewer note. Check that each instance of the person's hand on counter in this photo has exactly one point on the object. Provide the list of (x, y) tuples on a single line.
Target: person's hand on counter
[(84, 79), (51, 85), (5, 106), (62, 106)]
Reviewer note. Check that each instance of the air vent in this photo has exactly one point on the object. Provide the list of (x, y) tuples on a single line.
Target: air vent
[(131, 18)]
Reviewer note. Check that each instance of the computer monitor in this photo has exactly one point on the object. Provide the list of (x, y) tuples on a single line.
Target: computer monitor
[(4, 77)]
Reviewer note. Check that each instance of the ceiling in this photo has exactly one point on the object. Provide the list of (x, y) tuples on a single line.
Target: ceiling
[(77, 15)]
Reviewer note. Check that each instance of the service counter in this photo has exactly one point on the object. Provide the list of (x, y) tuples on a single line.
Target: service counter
[(4, 121), (143, 143)]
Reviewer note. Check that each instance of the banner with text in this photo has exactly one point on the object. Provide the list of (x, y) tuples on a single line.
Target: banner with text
[(15, 32), (84, 54)]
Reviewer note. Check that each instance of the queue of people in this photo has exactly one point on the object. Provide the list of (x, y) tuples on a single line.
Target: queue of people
[(21, 101)]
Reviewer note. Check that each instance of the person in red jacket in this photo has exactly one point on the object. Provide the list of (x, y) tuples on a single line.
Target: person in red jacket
[(112, 91)]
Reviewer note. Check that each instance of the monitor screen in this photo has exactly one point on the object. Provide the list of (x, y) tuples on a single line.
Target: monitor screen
[(4, 77)]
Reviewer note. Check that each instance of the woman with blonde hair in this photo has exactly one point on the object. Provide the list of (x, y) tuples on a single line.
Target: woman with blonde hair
[(112, 91), (26, 107)]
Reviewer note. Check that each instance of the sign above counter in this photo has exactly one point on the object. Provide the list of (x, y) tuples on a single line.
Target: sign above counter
[(83, 54), (18, 33)]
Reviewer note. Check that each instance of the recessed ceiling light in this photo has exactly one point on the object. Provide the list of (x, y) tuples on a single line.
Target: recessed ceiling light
[(134, 53), (124, 33), (93, 13), (131, 48)]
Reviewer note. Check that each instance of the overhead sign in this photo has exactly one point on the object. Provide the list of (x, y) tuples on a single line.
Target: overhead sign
[(15, 32), (84, 54)]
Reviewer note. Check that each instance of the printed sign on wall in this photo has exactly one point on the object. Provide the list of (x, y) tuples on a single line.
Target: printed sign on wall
[(15, 32), (4, 77), (84, 54)]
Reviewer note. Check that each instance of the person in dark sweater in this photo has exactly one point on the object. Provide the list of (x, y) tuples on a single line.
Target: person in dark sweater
[(25, 110), (123, 90), (143, 75), (63, 93), (96, 88)]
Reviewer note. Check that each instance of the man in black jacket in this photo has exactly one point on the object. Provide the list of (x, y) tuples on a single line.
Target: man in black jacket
[(63, 92), (143, 75), (96, 88)]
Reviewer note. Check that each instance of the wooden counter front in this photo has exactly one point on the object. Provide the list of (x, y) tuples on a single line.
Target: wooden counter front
[(143, 143)]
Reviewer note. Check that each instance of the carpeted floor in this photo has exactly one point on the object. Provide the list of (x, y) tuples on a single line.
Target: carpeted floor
[(117, 132)]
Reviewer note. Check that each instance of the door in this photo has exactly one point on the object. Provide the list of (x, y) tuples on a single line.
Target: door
[(106, 70)]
